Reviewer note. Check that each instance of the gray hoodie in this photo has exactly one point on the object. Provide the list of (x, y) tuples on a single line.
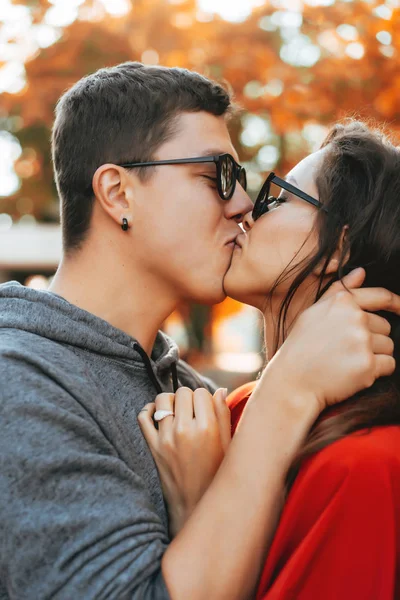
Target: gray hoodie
[(82, 514)]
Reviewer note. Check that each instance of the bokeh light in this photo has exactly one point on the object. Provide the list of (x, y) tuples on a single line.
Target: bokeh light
[(10, 151), (235, 11)]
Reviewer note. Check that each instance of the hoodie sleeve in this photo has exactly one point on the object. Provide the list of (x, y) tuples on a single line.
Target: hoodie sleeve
[(75, 521)]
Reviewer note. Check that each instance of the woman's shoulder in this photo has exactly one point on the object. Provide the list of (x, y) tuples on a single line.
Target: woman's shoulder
[(366, 457), (342, 516), (367, 445), (365, 451), (241, 394), (237, 400)]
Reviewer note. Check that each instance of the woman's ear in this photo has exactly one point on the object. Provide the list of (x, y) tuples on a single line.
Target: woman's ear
[(333, 265), (113, 190)]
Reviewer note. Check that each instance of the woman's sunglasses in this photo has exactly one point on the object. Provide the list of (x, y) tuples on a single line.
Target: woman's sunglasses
[(228, 171), (267, 201)]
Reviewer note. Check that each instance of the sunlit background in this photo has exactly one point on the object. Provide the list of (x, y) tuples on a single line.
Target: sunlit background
[(295, 67)]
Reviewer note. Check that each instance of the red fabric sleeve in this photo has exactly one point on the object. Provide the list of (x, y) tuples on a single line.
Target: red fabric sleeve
[(237, 400), (338, 537)]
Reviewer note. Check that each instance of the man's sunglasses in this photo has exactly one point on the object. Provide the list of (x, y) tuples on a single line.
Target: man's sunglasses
[(228, 170), (265, 201)]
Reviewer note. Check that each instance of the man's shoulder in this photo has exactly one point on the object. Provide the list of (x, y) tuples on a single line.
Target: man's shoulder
[(32, 365), (21, 345), (188, 376)]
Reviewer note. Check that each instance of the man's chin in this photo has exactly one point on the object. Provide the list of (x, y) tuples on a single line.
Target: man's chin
[(208, 297), (227, 285), (219, 296)]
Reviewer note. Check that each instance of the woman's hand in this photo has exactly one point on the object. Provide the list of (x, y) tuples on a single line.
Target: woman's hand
[(188, 447), (348, 346)]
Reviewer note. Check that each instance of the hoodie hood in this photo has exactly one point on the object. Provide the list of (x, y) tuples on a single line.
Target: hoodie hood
[(51, 316)]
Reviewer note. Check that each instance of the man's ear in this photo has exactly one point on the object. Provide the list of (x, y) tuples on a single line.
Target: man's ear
[(113, 190), (333, 264)]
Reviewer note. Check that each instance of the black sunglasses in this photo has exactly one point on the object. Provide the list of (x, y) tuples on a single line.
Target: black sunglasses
[(228, 171), (265, 200)]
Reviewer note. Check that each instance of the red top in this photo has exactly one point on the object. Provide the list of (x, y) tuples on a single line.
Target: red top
[(339, 534)]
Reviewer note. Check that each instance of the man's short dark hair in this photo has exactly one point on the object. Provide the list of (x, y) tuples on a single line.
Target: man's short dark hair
[(119, 114)]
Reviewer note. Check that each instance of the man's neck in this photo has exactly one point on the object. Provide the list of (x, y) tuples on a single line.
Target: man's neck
[(123, 296)]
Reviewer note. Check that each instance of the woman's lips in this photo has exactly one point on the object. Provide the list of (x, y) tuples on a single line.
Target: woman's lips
[(238, 241)]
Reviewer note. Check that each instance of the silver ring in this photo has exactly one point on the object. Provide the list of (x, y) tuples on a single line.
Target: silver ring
[(159, 415)]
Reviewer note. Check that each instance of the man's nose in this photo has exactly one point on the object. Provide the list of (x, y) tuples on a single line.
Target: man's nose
[(248, 221), (239, 205)]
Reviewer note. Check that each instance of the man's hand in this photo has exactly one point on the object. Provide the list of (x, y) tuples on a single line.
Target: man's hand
[(336, 348)]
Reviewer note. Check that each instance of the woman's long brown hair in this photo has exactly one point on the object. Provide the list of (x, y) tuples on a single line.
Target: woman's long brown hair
[(359, 183)]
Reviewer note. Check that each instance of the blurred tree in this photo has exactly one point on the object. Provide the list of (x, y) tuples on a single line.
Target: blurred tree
[(290, 67)]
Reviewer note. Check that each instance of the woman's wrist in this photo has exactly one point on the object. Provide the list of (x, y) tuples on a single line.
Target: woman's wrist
[(280, 389)]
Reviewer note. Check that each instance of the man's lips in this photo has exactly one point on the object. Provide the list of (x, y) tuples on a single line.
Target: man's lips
[(236, 242), (231, 242)]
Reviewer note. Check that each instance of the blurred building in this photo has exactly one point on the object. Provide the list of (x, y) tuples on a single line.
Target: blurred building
[(29, 251)]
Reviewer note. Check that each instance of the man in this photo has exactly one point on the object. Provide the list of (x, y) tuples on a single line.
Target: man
[(82, 512)]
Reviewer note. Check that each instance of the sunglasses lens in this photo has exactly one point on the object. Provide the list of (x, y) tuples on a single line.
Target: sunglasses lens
[(261, 203), (227, 176), (243, 178)]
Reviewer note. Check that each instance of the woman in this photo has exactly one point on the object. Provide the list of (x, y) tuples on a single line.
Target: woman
[(339, 532)]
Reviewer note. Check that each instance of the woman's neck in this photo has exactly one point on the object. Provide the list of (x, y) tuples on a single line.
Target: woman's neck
[(300, 302)]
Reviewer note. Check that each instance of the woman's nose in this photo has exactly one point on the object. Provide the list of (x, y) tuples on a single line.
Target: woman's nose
[(248, 221)]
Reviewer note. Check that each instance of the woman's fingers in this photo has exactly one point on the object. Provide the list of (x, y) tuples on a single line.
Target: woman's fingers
[(385, 365), (198, 408), (382, 344), (352, 281), (146, 422), (370, 299), (223, 415), (184, 411), (378, 324), (374, 299), (204, 408), (165, 401)]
